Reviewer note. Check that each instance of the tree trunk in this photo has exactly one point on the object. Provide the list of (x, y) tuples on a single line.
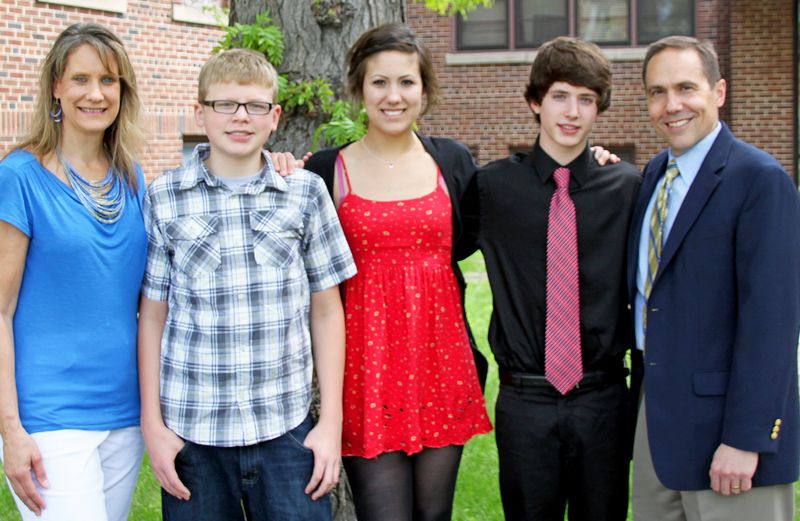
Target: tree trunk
[(317, 34)]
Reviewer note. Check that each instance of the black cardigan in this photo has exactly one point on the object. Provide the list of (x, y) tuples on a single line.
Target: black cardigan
[(457, 166)]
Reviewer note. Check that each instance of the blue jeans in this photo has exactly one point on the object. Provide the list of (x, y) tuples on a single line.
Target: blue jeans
[(265, 481)]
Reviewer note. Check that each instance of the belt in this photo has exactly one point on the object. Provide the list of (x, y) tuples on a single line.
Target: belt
[(589, 379)]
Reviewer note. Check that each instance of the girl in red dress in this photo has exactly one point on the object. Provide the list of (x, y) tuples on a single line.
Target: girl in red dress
[(412, 396)]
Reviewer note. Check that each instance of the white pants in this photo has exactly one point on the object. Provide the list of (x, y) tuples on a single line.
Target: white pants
[(92, 474)]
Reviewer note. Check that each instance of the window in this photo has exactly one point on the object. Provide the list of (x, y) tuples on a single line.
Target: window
[(625, 152), (205, 12), (526, 24), (189, 142), (114, 6)]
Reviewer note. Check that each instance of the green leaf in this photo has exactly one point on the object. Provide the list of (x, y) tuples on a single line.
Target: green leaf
[(346, 124), (451, 7), (261, 36)]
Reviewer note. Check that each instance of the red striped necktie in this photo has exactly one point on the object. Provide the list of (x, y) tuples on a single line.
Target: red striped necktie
[(563, 367)]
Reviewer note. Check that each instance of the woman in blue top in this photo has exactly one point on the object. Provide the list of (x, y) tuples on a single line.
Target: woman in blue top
[(72, 248)]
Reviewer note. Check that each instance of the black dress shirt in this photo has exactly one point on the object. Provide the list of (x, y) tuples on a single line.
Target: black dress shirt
[(505, 213)]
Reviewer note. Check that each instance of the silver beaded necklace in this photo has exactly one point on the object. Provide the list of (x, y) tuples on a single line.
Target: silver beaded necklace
[(104, 199)]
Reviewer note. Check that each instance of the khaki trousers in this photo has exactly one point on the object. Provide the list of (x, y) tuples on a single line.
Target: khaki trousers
[(652, 501)]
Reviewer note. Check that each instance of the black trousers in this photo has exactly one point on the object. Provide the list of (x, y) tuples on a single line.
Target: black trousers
[(563, 450)]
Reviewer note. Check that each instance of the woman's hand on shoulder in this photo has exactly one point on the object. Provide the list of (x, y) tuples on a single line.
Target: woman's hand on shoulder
[(22, 461)]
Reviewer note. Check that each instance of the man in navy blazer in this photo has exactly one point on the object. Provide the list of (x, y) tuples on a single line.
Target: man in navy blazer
[(716, 308)]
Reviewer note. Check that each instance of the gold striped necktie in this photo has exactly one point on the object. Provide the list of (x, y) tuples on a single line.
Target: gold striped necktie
[(655, 243)]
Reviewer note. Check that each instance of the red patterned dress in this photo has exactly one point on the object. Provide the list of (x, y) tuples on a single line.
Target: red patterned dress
[(410, 381)]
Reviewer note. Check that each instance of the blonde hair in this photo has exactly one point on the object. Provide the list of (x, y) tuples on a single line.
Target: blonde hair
[(241, 66), (124, 137)]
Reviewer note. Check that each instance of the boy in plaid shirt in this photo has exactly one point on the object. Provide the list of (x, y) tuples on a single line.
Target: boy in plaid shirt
[(241, 289)]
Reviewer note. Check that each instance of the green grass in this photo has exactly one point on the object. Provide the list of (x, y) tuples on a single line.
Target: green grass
[(477, 493)]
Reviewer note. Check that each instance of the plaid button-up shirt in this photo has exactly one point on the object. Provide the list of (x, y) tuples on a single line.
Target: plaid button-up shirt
[(238, 269)]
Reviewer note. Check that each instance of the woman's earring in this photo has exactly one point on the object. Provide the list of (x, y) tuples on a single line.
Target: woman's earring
[(56, 113)]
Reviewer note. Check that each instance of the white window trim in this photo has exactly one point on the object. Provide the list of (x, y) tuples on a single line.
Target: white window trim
[(114, 6), (527, 57), (193, 15)]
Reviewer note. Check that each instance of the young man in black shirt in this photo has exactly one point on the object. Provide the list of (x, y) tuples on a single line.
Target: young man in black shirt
[(552, 226)]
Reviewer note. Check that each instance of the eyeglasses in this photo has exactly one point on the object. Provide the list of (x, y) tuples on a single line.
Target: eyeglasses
[(254, 108)]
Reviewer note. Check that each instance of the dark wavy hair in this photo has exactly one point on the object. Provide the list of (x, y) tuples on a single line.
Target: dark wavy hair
[(390, 37), (573, 61)]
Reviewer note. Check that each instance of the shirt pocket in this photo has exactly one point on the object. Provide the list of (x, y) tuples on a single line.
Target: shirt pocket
[(196, 244), (276, 237)]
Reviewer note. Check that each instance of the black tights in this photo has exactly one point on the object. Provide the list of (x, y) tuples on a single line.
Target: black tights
[(398, 487)]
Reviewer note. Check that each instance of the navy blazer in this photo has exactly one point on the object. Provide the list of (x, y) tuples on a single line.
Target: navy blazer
[(720, 364), (457, 166)]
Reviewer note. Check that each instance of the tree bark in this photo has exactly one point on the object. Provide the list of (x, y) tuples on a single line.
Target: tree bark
[(317, 34)]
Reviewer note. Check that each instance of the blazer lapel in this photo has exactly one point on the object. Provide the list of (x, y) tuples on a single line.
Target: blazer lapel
[(703, 186)]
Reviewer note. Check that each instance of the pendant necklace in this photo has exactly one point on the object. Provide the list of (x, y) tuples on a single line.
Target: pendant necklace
[(390, 164), (104, 199)]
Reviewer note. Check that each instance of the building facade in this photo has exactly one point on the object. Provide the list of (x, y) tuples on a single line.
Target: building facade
[(483, 64), (167, 41)]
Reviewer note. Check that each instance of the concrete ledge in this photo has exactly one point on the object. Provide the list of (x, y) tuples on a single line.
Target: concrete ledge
[(114, 6), (193, 15), (527, 57)]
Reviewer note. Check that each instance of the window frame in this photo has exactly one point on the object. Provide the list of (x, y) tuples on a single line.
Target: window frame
[(632, 8), (518, 20), (459, 20), (111, 6), (692, 22), (190, 13), (573, 13)]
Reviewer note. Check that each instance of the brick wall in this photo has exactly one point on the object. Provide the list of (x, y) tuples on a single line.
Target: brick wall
[(166, 54), (762, 96), (483, 105)]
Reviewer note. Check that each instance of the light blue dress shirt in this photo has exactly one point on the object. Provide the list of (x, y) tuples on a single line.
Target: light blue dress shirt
[(688, 164)]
